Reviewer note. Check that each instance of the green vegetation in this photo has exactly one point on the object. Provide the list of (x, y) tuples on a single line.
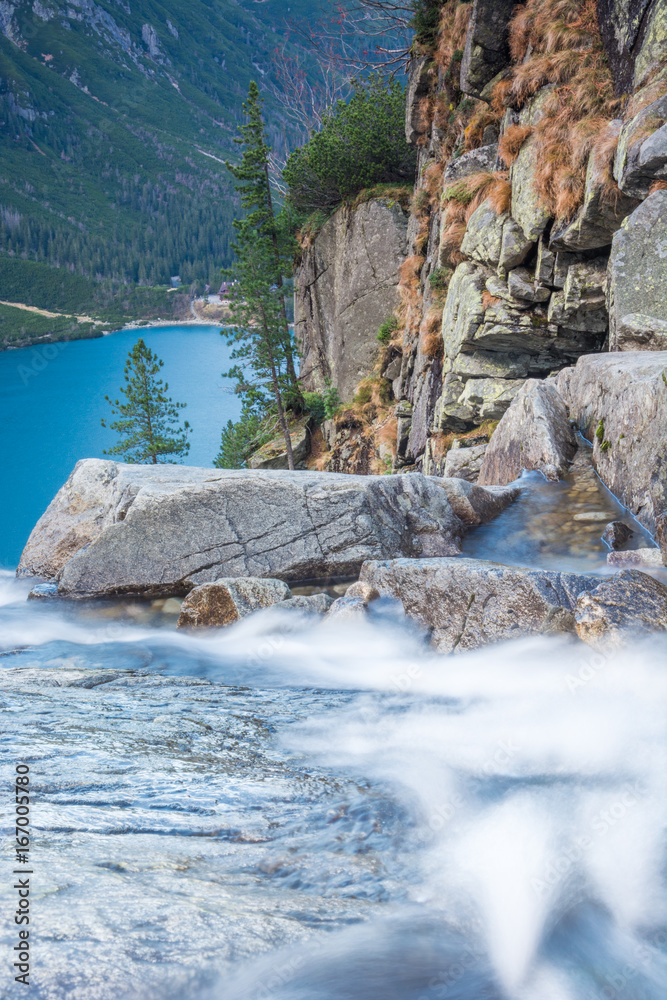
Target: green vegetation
[(114, 144), (361, 144), (19, 328), (239, 440), (388, 329), (426, 20), (263, 340), (148, 418)]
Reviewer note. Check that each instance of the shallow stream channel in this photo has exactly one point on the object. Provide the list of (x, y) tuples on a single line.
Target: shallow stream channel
[(297, 810)]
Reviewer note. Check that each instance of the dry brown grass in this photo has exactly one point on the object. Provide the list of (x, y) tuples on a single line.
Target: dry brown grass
[(658, 186), (649, 93), (559, 44), (481, 119), (511, 142), (488, 299), (430, 333), (320, 452)]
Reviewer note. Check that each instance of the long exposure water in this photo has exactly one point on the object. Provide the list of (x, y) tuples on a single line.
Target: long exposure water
[(297, 810)]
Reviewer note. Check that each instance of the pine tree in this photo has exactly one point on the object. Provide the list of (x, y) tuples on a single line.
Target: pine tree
[(257, 201), (257, 308), (148, 422)]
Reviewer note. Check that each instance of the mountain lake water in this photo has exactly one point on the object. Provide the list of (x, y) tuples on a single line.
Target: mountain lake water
[(293, 810)]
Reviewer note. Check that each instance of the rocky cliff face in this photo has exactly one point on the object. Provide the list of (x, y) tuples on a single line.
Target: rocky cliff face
[(538, 226), (346, 287)]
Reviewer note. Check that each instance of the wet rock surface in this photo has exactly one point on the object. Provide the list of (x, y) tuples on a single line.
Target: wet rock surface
[(468, 603), (619, 402), (224, 602), (629, 606), (616, 534)]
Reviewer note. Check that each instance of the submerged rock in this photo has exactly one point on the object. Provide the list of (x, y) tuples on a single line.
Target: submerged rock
[(617, 533), (629, 606), (469, 603), (347, 608), (647, 558), (226, 601), (534, 434), (116, 528)]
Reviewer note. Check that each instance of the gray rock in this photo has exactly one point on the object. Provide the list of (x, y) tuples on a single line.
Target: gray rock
[(468, 603), (534, 434), (273, 454), (527, 208), (562, 265), (638, 332), (486, 52), (419, 85), (628, 607), (480, 160), (619, 402), (363, 591), (345, 288), (645, 558), (617, 533), (544, 268), (465, 463), (601, 214), (163, 529), (521, 285), (582, 305), (475, 505), (637, 269), (317, 604), (484, 235), (464, 404), (514, 246), (347, 609), (628, 33), (641, 159), (225, 601)]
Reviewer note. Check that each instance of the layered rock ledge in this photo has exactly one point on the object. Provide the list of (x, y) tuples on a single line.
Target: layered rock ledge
[(133, 529)]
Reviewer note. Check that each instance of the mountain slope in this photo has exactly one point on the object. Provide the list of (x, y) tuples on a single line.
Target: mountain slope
[(115, 118)]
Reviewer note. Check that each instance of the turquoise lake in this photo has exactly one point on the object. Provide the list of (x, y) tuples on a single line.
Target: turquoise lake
[(52, 403)]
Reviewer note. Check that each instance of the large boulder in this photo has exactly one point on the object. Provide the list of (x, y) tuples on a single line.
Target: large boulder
[(420, 81), (469, 603), (345, 288), (619, 402), (638, 272), (535, 434), (465, 463), (164, 529), (226, 601), (629, 606)]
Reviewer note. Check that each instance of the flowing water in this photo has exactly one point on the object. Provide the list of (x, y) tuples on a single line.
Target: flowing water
[(293, 810)]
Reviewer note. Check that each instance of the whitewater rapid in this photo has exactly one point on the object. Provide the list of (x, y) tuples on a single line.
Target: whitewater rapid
[(292, 810)]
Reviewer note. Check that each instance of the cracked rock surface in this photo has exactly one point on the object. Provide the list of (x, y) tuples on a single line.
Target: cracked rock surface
[(135, 529)]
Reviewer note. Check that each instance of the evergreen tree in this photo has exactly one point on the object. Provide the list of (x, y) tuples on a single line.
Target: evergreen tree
[(148, 419), (260, 219), (257, 308)]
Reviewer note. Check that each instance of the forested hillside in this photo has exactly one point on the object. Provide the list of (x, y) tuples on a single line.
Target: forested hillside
[(115, 118)]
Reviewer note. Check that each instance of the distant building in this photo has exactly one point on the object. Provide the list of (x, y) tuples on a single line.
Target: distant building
[(176, 281)]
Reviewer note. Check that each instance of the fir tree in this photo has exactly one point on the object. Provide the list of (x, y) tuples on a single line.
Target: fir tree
[(257, 201), (148, 418)]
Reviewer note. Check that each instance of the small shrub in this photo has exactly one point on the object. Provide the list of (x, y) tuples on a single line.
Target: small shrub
[(364, 395), (439, 278), (387, 330), (314, 405), (331, 400)]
